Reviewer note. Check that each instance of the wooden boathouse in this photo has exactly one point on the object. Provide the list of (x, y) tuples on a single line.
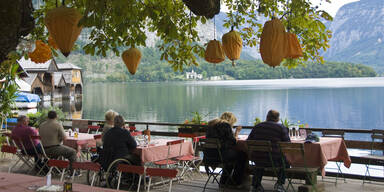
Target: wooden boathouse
[(52, 80)]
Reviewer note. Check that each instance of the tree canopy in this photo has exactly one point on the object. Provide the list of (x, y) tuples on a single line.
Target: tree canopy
[(125, 23)]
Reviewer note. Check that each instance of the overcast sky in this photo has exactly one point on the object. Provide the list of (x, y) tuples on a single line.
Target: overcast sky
[(331, 8)]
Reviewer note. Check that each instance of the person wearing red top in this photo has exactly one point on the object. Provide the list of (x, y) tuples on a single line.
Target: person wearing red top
[(22, 132)]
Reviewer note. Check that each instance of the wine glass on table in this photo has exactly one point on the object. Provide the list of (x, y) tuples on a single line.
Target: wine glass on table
[(290, 131), (297, 132)]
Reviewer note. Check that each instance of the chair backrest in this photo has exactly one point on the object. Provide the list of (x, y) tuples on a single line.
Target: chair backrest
[(18, 143), (211, 145), (197, 139), (136, 133), (333, 133), (38, 137), (58, 163), (93, 128), (35, 137), (96, 137), (257, 151), (160, 172), (175, 142), (131, 169), (8, 136), (86, 166), (81, 124), (8, 149), (187, 135), (293, 148), (377, 134)]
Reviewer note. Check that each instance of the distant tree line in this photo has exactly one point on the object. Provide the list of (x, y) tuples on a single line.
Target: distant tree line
[(152, 68)]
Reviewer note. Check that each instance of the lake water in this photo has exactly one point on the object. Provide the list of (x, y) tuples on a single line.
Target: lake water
[(355, 103)]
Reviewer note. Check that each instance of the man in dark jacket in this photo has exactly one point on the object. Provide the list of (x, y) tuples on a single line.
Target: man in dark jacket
[(274, 132), (118, 143)]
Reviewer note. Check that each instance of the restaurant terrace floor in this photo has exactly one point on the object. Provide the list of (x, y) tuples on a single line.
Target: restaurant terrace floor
[(196, 182)]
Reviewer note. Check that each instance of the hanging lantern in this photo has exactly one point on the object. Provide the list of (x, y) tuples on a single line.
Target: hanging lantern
[(207, 8), (293, 47), (214, 52), (273, 43), (131, 58), (41, 54), (52, 43), (232, 45), (62, 23)]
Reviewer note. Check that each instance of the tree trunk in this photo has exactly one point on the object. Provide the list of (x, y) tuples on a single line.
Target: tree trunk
[(16, 21)]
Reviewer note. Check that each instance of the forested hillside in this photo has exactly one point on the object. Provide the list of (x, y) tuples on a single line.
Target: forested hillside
[(151, 68)]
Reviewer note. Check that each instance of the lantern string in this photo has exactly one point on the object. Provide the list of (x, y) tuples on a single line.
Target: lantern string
[(214, 27), (190, 22), (289, 17), (237, 14)]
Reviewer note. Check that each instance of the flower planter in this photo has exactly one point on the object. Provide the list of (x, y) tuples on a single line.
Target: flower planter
[(193, 131)]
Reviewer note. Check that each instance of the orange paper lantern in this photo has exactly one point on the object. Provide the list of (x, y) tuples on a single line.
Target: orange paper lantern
[(131, 58), (214, 52), (273, 43), (41, 54), (232, 45), (293, 47), (62, 23)]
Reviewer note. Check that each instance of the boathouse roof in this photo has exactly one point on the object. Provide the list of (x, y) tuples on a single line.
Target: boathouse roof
[(64, 66), (31, 78), (59, 79), (30, 66)]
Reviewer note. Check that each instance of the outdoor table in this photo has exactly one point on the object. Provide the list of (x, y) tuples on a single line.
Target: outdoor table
[(83, 139), (158, 150), (316, 154), (319, 153), (12, 182)]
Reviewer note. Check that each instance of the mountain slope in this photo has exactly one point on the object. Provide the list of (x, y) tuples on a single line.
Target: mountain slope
[(358, 34)]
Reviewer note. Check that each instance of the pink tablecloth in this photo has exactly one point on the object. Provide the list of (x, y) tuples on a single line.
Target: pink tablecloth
[(84, 139), (11, 182), (318, 154), (158, 150)]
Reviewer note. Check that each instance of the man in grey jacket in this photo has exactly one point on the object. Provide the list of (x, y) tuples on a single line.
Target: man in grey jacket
[(52, 135)]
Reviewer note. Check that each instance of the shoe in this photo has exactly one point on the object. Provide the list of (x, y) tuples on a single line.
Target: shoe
[(279, 187), (258, 189)]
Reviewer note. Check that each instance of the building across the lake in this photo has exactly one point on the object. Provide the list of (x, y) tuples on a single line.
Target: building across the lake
[(51, 80), (193, 75)]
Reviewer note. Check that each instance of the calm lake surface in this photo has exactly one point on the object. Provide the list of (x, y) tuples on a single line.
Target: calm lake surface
[(355, 103)]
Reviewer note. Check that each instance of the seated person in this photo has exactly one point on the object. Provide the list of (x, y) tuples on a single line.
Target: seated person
[(118, 143), (52, 135), (109, 121), (22, 132), (274, 132), (222, 129)]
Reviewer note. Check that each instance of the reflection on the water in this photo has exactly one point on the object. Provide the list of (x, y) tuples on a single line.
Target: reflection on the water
[(73, 108)]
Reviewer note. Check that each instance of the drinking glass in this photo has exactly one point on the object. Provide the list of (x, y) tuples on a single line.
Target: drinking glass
[(290, 131), (140, 140), (297, 131)]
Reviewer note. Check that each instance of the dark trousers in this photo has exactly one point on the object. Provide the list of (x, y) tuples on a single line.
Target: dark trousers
[(258, 174), (32, 152), (233, 159)]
